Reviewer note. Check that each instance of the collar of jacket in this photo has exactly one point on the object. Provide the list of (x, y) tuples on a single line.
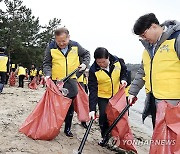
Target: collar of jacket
[(2, 54), (70, 44)]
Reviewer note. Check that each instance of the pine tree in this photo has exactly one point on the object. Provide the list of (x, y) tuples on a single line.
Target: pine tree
[(22, 35)]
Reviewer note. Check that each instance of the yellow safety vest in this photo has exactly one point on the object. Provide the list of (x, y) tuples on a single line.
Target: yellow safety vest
[(3, 63), (108, 86), (163, 75), (12, 65), (40, 72), (33, 72), (85, 80), (126, 91), (61, 65), (81, 78), (21, 71)]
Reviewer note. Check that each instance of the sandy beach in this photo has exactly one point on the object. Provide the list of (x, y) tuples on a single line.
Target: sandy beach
[(18, 103)]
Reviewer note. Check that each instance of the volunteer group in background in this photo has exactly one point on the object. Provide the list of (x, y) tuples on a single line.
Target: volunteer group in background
[(12, 73)]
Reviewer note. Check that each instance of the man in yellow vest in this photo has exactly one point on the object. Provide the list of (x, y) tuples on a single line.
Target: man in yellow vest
[(21, 72), (62, 56), (32, 72), (106, 75), (4, 68), (160, 68)]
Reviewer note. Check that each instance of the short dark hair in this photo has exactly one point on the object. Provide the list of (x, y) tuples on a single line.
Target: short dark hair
[(60, 31), (144, 22), (101, 52)]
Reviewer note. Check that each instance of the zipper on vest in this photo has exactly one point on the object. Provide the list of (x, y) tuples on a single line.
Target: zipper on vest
[(112, 86), (69, 49), (151, 74), (66, 67)]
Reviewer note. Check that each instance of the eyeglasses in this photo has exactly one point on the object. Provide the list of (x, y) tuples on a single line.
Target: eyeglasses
[(143, 35)]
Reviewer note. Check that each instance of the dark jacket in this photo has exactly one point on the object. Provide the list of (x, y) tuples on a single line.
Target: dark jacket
[(92, 80), (84, 57), (172, 27)]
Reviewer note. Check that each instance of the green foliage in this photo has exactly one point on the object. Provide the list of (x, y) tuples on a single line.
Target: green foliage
[(21, 34)]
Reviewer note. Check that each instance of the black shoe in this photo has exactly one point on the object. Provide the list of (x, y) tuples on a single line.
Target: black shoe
[(101, 143), (69, 134), (104, 141), (84, 125)]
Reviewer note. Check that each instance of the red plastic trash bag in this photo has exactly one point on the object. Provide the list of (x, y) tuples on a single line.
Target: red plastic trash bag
[(12, 79), (45, 121), (122, 131), (42, 82), (38, 80), (33, 84), (166, 135), (81, 104)]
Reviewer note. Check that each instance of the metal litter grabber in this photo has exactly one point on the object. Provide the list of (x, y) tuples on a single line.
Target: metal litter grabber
[(61, 82), (106, 136), (84, 138), (68, 76)]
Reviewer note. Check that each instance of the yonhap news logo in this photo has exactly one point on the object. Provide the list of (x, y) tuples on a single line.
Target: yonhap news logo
[(116, 141)]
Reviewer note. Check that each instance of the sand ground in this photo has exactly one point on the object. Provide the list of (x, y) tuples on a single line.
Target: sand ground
[(18, 103)]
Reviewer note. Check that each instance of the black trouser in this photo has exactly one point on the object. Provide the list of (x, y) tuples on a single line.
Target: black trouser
[(13, 69), (150, 108), (68, 119), (2, 80), (7, 78), (21, 80), (31, 78), (71, 85), (153, 110), (103, 122)]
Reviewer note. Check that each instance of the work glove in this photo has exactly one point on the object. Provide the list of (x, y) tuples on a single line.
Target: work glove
[(92, 114), (82, 67), (131, 98), (124, 83), (46, 77), (64, 91)]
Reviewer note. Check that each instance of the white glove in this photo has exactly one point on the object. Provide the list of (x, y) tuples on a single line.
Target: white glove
[(82, 67), (64, 91), (46, 77), (124, 83), (130, 98), (92, 114)]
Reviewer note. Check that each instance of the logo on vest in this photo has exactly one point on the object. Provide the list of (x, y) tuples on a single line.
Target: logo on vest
[(116, 68), (164, 47), (74, 51)]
